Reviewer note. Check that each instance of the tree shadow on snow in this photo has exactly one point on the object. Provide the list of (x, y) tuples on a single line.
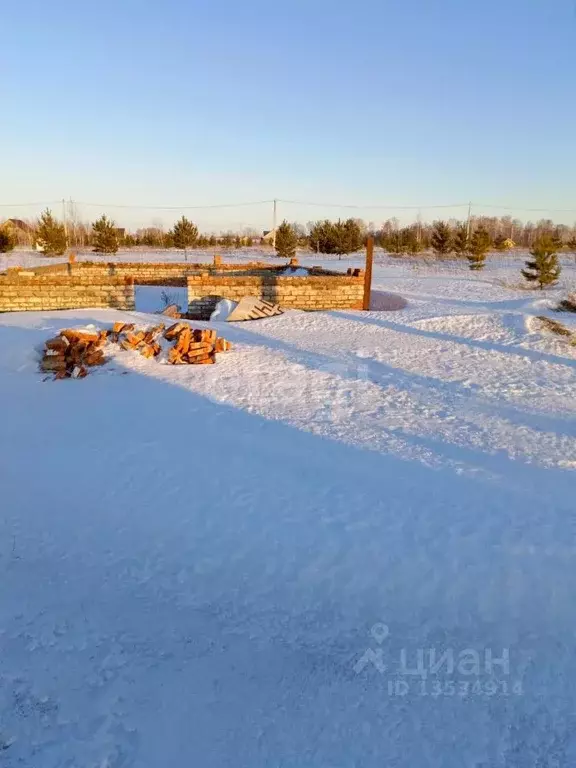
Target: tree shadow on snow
[(180, 529), (489, 346)]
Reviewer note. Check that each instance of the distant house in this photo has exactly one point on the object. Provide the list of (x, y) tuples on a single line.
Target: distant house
[(16, 224), (267, 237), (21, 230)]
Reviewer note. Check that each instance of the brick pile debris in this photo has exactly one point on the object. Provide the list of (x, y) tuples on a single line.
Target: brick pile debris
[(194, 346), (74, 351), (68, 355)]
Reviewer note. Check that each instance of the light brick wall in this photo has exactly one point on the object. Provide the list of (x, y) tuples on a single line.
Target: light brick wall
[(21, 292), (82, 285), (140, 272), (315, 292)]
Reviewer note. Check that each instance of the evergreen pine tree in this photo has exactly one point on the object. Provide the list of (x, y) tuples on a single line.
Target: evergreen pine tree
[(7, 240), (544, 267), (50, 235), (461, 239), (286, 241), (442, 238), (184, 234), (238, 241), (212, 241), (130, 240), (347, 236), (501, 243), (410, 241), (320, 237), (479, 246), (227, 240), (104, 236)]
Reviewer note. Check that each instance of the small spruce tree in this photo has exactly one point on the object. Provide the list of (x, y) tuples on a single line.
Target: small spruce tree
[(184, 234), (321, 237), (501, 243), (442, 238), (237, 242), (51, 235), (411, 242), (348, 236), (478, 248), (461, 240), (286, 241), (130, 240), (104, 236), (227, 240), (544, 267), (571, 244), (7, 240)]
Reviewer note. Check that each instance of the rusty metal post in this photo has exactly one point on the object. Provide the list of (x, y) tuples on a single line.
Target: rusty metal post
[(368, 273)]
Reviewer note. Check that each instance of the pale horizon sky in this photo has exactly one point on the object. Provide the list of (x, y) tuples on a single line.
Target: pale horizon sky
[(414, 103)]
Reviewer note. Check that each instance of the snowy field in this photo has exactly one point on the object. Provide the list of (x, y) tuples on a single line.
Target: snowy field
[(273, 561)]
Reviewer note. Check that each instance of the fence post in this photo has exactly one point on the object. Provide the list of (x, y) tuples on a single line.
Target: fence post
[(368, 273)]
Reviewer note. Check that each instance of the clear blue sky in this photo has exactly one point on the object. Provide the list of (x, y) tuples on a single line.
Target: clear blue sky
[(406, 102)]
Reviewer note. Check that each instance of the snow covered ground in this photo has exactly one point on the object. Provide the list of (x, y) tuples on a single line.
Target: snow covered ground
[(274, 560)]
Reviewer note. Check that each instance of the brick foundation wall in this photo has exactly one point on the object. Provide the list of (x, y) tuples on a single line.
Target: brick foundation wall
[(314, 292), (141, 272), (24, 291)]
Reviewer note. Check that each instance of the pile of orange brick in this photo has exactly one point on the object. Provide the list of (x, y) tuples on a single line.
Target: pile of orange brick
[(194, 346), (68, 355), (129, 338), (73, 351)]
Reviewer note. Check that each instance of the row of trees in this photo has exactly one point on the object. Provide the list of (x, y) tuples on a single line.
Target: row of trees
[(330, 237), (338, 237), (500, 229), (104, 237), (156, 237), (445, 238), (463, 239), (342, 237), (471, 239)]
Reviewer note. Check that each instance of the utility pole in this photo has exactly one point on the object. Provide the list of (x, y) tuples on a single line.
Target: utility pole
[(274, 220), (64, 220), (469, 223)]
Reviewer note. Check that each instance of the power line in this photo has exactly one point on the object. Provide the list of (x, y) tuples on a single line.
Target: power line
[(525, 210), (373, 207), (353, 206), (173, 207), (24, 205)]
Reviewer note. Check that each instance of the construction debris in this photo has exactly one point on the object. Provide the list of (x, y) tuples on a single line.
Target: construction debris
[(69, 354), (194, 346), (253, 308), (172, 310), (143, 341)]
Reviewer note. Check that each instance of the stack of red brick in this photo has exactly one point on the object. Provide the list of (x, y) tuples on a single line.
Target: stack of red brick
[(72, 352), (194, 346)]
